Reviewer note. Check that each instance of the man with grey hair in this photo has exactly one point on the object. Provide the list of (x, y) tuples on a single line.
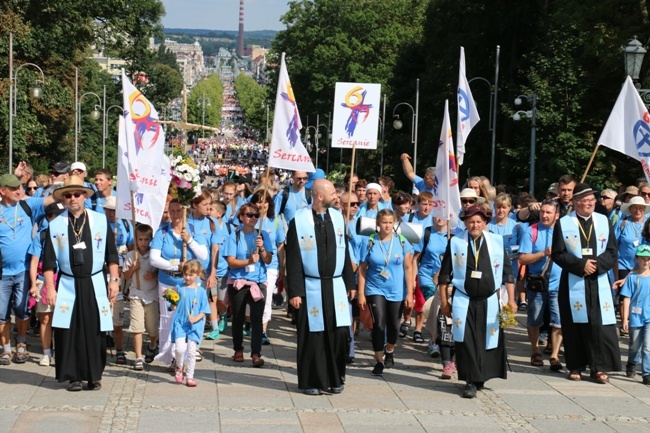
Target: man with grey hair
[(422, 184), (320, 282)]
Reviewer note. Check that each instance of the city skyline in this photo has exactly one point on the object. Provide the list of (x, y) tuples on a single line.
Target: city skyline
[(224, 14)]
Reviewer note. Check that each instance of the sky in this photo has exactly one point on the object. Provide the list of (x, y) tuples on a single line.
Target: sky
[(224, 14)]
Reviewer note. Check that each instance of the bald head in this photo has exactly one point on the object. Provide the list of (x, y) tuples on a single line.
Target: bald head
[(323, 193)]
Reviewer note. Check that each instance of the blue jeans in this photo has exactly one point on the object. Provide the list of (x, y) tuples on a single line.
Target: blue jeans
[(640, 348), (13, 294)]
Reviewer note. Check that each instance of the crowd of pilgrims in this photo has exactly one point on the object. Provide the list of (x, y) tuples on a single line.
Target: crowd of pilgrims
[(235, 235)]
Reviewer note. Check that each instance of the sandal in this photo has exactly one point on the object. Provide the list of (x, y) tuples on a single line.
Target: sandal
[(75, 385), (548, 349), (5, 359), (599, 377), (523, 306), (238, 356), (403, 330), (191, 383), (555, 365), (417, 337), (536, 360), (22, 355), (575, 375), (94, 386)]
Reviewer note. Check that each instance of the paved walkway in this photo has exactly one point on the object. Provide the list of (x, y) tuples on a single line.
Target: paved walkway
[(237, 398)]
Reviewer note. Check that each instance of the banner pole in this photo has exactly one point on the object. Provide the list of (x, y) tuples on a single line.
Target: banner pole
[(135, 250), (591, 160), (265, 188), (354, 154)]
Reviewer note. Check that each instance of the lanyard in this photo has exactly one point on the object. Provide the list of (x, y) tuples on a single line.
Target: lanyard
[(248, 248), (77, 234), (476, 251), (591, 229), (386, 254), (193, 302), (13, 228)]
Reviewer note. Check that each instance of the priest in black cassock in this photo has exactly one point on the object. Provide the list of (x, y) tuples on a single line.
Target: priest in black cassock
[(585, 248), (476, 264), (320, 280), (77, 246)]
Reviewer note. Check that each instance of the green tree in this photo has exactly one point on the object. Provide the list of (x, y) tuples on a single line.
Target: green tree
[(211, 89), (253, 100)]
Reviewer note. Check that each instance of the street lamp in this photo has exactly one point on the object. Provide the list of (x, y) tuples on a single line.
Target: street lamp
[(35, 92), (106, 111), (202, 102), (633, 54), (317, 134), (532, 115), (95, 115), (397, 123)]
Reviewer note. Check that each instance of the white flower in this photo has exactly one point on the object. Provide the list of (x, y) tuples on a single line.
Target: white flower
[(187, 177)]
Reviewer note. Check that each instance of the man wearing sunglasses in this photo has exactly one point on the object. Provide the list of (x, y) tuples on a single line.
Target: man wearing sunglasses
[(79, 243), (584, 246), (16, 224), (295, 196)]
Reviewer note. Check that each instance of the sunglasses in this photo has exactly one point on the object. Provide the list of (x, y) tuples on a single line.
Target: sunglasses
[(645, 194), (352, 203), (74, 194), (470, 201), (31, 188), (252, 215)]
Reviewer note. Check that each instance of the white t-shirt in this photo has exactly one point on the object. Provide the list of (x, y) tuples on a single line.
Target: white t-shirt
[(148, 289)]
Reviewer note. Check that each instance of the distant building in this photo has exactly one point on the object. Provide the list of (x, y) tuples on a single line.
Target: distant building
[(190, 59)]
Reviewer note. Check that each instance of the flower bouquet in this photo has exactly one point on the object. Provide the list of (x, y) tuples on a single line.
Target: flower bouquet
[(186, 182), (170, 295), (507, 317)]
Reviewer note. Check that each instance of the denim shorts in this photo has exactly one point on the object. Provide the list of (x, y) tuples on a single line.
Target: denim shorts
[(537, 302), (15, 285)]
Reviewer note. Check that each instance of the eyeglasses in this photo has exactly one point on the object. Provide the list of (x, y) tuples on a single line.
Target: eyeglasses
[(75, 194), (467, 201), (352, 203), (300, 178), (252, 215), (604, 197)]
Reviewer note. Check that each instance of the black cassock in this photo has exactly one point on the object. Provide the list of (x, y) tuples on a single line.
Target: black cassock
[(591, 343), (474, 362), (321, 355), (81, 349)]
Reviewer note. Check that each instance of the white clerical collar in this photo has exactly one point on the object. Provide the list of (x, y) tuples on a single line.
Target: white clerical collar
[(583, 217)]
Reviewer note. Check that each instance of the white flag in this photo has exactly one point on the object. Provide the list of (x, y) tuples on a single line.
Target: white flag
[(446, 196), (145, 139), (286, 149), (628, 127), (467, 113), (149, 207)]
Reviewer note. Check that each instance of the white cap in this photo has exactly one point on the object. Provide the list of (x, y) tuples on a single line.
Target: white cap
[(78, 166), (110, 202)]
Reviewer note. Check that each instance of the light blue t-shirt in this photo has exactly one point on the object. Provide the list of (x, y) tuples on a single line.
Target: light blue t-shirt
[(638, 290), (242, 250), (543, 241), (124, 236), (223, 232), (425, 222), (391, 286), (430, 259), (193, 301), (16, 234), (420, 185), (171, 248), (295, 201), (201, 231), (99, 206), (628, 237), (364, 212), (273, 227)]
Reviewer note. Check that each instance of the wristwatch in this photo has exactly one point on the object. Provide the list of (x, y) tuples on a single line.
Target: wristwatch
[(114, 280)]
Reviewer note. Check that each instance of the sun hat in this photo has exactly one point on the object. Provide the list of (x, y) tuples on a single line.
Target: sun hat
[(470, 193), (635, 201), (110, 203), (475, 209), (630, 190), (72, 183)]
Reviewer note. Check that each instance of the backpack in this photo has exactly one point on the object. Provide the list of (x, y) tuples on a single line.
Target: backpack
[(427, 236), (371, 243), (285, 198)]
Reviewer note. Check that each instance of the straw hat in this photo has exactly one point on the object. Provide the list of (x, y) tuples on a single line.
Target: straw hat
[(635, 201), (470, 193), (72, 183)]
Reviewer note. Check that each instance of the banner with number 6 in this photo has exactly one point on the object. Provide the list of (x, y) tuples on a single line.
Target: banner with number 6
[(356, 115)]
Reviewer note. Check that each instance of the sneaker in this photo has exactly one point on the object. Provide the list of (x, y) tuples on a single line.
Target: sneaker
[(630, 370), (469, 391), (452, 364), (403, 330), (434, 350), (223, 322), (213, 335), (191, 383), (389, 360), (120, 359), (265, 339), (247, 328), (199, 356), (447, 372), (151, 354), (138, 365), (278, 299), (417, 337), (522, 307), (257, 361), (379, 369), (45, 361)]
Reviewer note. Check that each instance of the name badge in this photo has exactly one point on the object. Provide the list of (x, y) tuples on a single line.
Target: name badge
[(636, 243), (250, 268), (636, 310), (174, 262), (587, 252), (79, 246), (477, 274), (385, 274)]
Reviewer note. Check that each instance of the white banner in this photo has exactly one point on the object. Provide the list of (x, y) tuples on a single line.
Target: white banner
[(149, 207), (286, 150), (145, 139), (467, 113), (446, 196), (356, 115), (628, 127)]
